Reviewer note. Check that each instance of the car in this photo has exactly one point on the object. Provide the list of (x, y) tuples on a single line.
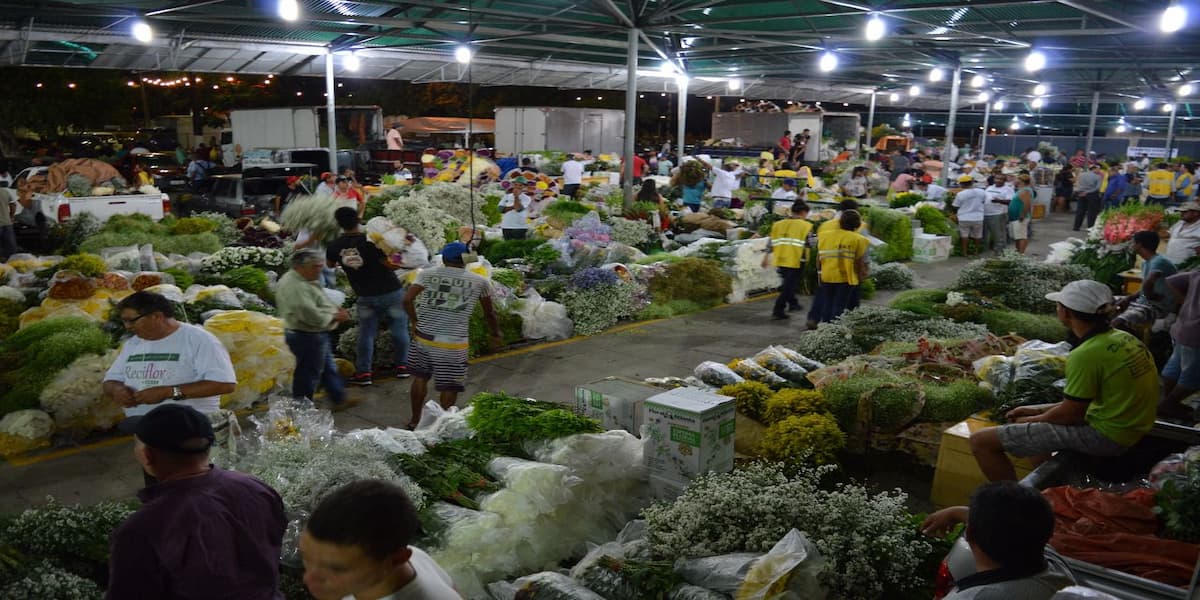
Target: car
[(250, 193), (168, 174)]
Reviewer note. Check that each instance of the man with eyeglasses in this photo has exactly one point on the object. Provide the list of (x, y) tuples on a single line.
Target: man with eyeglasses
[(166, 361)]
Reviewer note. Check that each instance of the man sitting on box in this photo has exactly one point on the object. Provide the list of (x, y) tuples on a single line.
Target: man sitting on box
[(1109, 401)]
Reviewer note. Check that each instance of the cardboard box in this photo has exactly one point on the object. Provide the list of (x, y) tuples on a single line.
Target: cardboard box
[(667, 490), (928, 248), (957, 473), (615, 402), (688, 432)]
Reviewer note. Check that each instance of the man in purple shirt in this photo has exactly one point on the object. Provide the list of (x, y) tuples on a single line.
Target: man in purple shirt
[(202, 532)]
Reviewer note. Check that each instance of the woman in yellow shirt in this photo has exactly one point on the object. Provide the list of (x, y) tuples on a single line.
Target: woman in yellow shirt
[(842, 252)]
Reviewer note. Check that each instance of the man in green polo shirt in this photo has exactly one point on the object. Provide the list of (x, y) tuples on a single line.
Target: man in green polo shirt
[(1109, 402)]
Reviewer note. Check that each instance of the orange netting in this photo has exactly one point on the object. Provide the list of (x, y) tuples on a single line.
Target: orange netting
[(1117, 531)]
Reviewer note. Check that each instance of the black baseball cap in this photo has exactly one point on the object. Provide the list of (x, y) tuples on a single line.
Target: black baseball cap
[(171, 426)]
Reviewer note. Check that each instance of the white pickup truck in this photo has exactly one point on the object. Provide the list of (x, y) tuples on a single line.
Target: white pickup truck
[(58, 208)]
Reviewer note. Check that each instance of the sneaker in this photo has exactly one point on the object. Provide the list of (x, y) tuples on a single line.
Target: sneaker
[(363, 378), (402, 372)]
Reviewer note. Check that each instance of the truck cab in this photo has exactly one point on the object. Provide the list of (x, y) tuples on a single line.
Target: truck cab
[(251, 192)]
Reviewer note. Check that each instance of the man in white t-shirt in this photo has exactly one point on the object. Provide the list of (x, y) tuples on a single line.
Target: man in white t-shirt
[(995, 213), (1184, 242), (572, 171), (166, 361), (394, 141), (725, 181), (786, 190), (514, 209), (970, 202), (932, 191), (355, 546)]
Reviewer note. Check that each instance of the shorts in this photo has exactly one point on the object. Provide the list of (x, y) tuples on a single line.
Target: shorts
[(971, 229), (1183, 368), (1018, 230), (445, 366), (1038, 439), (1140, 313)]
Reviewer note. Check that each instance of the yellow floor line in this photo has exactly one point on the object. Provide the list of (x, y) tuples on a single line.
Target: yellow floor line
[(23, 461)]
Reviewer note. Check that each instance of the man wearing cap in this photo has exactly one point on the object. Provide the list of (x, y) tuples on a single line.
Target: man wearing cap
[(202, 532), (166, 361), (970, 203), (786, 190), (372, 277), (1108, 403), (1184, 237), (308, 317), (439, 305), (328, 185)]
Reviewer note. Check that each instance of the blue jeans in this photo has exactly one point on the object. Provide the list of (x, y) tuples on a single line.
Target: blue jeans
[(369, 309), (314, 364), (832, 299)]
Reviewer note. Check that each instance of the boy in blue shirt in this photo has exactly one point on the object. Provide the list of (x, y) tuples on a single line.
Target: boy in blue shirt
[(1154, 301)]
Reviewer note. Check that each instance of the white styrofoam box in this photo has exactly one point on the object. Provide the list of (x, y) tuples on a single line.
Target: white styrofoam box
[(688, 432), (615, 402), (929, 248)]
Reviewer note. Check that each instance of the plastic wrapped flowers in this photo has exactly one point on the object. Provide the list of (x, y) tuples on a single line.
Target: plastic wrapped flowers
[(260, 356)]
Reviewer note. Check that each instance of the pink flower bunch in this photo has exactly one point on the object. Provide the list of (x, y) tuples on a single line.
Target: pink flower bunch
[(1120, 228)]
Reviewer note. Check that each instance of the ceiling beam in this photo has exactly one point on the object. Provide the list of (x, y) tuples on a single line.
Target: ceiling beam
[(1084, 7)]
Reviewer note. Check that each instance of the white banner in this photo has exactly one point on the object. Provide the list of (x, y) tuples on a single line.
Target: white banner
[(1136, 152)]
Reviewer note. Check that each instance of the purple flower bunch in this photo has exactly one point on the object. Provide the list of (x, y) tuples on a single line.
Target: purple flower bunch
[(589, 229), (587, 279)]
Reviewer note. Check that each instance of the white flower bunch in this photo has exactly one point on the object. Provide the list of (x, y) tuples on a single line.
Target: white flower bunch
[(75, 398), (830, 343), (455, 199), (27, 424), (597, 308), (240, 256), (66, 531), (955, 298), (630, 232), (315, 215), (892, 276), (867, 538), (50, 582), (421, 219)]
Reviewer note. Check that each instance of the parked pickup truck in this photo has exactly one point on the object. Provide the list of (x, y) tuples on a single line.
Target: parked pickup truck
[(1067, 468)]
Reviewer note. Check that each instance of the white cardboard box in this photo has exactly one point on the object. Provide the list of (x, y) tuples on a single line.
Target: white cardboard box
[(665, 489), (615, 402), (929, 248), (688, 432)]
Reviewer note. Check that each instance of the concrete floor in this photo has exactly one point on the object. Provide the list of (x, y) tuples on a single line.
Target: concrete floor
[(550, 372)]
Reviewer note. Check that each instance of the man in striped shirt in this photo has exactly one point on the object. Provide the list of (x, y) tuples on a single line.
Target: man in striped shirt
[(439, 306)]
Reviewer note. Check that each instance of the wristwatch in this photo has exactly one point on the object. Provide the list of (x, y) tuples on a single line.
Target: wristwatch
[(176, 393)]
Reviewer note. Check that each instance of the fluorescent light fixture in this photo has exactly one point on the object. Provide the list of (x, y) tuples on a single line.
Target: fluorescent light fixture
[(1015, 125), (1040, 89), (289, 10), (1142, 104), (999, 105), (875, 28), (735, 84), (828, 62), (1122, 128), (983, 97), (894, 97), (1185, 89), (937, 74), (142, 32), (462, 54), (666, 67), (914, 91), (351, 62), (1035, 61), (1037, 103), (1173, 19), (1168, 107), (977, 81)]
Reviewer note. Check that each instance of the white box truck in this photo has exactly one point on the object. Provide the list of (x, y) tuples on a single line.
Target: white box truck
[(538, 128), (765, 129)]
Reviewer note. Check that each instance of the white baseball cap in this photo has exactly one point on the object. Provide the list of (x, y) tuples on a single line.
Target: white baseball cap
[(1085, 296)]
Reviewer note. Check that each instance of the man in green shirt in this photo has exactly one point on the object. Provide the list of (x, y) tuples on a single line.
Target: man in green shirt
[(308, 316), (1109, 402)]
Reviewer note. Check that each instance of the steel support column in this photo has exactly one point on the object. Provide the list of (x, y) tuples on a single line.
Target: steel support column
[(1092, 122), (330, 112), (681, 81), (870, 122), (987, 116), (1170, 132), (631, 61), (950, 124)]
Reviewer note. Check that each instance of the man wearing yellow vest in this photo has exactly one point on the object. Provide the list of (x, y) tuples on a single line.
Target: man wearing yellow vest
[(1183, 184), (1159, 183), (788, 246), (843, 255)]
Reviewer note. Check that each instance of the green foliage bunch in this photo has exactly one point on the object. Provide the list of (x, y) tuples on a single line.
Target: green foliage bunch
[(89, 265), (905, 199), (695, 279), (934, 221), (953, 401), (190, 225), (921, 302), (565, 212), (507, 420), (895, 229), (791, 403), (35, 354), (248, 278)]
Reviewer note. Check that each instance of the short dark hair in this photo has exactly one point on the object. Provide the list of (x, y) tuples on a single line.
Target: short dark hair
[(850, 220), (374, 515), (845, 205), (1011, 523), (799, 207), (144, 303), (346, 217), (1147, 239)]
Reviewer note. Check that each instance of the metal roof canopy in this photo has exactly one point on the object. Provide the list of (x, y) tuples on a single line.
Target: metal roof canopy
[(771, 45)]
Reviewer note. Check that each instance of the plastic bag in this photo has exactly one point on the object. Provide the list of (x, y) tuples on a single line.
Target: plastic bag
[(12, 294), (71, 285), (114, 280), (502, 590), (805, 363), (438, 424), (293, 420), (1038, 360), (149, 262), (790, 570), (1076, 592), (212, 294), (716, 374), (753, 371), (24, 263), (530, 488), (692, 592), (7, 274), (392, 440), (599, 570), (996, 372), (147, 279), (542, 320), (595, 458), (775, 361), (122, 258), (549, 585)]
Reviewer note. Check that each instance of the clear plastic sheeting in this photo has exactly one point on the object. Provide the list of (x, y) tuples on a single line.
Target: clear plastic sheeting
[(260, 355), (391, 440), (549, 585), (716, 374), (692, 592), (543, 320), (439, 425), (595, 457), (790, 570), (221, 295), (531, 489)]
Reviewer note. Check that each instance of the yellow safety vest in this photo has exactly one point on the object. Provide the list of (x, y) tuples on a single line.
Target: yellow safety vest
[(788, 242), (839, 251), (1158, 183)]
